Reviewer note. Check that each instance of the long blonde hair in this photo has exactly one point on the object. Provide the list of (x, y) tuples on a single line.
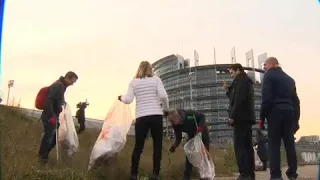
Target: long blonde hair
[(144, 70)]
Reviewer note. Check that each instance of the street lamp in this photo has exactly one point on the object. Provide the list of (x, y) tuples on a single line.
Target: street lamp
[(10, 85)]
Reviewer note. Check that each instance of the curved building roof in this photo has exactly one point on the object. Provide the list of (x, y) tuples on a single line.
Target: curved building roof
[(170, 57)]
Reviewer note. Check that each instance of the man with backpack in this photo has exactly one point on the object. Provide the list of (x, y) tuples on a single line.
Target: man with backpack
[(51, 99), (190, 122)]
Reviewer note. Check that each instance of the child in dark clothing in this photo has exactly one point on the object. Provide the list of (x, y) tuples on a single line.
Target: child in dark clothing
[(190, 122), (80, 115)]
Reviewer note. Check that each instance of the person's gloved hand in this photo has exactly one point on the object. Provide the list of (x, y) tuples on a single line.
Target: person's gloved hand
[(53, 121), (119, 98), (261, 124), (172, 149), (230, 122), (199, 129)]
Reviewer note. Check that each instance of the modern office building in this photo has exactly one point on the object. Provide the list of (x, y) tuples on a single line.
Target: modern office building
[(207, 94)]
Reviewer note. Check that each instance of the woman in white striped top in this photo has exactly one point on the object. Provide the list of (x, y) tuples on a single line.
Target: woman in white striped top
[(147, 89)]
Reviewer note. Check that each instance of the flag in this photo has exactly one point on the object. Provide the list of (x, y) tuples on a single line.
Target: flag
[(196, 58), (214, 56), (233, 55)]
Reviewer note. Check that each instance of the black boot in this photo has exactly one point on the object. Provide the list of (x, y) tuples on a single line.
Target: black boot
[(155, 177), (133, 177), (242, 177), (264, 166)]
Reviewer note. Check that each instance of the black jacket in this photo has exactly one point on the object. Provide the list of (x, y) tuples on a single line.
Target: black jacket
[(188, 124), (261, 141), (241, 100), (279, 93), (55, 99)]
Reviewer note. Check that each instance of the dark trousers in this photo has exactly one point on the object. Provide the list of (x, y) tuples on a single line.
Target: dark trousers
[(281, 126), (82, 126), (264, 165), (206, 142), (48, 140), (142, 126), (243, 148)]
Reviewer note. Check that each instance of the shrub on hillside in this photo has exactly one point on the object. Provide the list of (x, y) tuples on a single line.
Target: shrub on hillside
[(22, 139), (230, 158)]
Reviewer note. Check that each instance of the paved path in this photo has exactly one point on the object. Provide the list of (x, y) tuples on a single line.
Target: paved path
[(305, 173)]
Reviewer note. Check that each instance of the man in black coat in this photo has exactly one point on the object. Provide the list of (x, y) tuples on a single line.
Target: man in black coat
[(242, 118), (281, 107)]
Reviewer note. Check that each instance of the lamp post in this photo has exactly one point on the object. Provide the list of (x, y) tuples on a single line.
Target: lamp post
[(10, 85)]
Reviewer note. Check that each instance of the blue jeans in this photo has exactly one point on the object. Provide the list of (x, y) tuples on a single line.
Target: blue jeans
[(48, 140)]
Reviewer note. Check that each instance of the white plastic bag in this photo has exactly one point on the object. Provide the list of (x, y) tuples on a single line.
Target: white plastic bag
[(199, 157), (113, 135), (67, 135), (258, 163)]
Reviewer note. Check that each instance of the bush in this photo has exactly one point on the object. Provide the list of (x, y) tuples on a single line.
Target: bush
[(230, 159)]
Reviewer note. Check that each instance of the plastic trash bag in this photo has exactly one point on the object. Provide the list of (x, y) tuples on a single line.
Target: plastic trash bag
[(113, 135), (67, 134), (199, 157), (258, 163)]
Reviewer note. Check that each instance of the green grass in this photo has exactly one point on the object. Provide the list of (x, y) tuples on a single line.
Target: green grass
[(20, 140)]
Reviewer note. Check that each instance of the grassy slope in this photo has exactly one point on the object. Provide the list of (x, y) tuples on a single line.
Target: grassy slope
[(20, 139)]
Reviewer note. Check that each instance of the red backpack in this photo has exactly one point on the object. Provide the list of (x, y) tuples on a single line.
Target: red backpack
[(41, 98)]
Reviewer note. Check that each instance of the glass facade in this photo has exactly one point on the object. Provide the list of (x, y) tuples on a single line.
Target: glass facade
[(208, 97)]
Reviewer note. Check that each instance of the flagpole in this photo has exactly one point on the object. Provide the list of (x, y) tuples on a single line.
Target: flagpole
[(190, 76), (214, 53), (235, 59), (215, 68), (182, 48)]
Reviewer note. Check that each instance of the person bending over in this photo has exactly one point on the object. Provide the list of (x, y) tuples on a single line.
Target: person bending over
[(191, 122)]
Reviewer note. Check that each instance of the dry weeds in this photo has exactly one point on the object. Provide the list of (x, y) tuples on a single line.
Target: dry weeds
[(20, 139)]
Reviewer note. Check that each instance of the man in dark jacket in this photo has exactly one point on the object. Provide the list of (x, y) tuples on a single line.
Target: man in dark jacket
[(281, 107), (262, 150), (242, 117), (51, 112), (190, 122)]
